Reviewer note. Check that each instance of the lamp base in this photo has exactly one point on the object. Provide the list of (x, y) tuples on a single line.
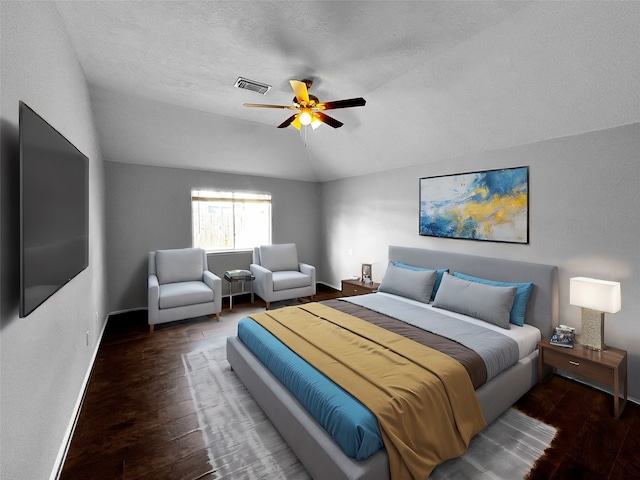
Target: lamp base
[(592, 329)]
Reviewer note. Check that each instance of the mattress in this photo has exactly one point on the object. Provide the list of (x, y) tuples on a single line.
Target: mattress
[(526, 336)]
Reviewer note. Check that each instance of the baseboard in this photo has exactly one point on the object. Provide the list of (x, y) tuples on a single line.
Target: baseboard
[(68, 435), (126, 310)]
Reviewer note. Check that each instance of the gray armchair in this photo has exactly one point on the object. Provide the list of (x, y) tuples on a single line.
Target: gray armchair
[(181, 286), (279, 275)]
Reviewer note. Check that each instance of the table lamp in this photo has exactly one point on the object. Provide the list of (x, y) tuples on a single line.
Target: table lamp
[(595, 297)]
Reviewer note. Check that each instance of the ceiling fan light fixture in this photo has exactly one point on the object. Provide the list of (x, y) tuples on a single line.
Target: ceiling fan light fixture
[(311, 110), (305, 117)]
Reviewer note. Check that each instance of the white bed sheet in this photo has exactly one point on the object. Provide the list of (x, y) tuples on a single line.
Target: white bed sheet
[(527, 336)]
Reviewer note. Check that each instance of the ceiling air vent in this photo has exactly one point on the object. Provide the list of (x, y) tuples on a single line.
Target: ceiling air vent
[(245, 83)]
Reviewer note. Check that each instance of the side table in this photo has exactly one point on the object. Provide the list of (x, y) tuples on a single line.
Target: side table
[(351, 288), (607, 366), (238, 276)]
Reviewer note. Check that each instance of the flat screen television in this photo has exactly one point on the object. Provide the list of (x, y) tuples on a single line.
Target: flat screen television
[(54, 210)]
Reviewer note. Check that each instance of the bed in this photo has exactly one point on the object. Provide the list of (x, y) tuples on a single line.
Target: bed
[(309, 440)]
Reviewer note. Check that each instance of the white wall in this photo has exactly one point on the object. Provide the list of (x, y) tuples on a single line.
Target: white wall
[(584, 218), (44, 357)]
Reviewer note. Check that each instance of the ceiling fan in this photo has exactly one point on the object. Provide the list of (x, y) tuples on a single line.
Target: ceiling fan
[(310, 109)]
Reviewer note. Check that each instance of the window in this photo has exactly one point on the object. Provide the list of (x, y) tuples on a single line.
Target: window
[(224, 221)]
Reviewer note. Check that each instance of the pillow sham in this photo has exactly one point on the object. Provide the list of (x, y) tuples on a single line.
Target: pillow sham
[(441, 272), (485, 302), (413, 284), (519, 304)]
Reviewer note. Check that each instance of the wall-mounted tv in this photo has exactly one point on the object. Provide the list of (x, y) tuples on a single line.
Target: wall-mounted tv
[(54, 210)]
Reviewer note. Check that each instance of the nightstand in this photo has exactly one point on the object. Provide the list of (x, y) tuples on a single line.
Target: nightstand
[(351, 288), (607, 366)]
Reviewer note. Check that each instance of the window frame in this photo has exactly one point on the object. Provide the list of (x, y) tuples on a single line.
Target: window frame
[(234, 197)]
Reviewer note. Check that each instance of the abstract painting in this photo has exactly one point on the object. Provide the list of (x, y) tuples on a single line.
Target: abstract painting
[(492, 205)]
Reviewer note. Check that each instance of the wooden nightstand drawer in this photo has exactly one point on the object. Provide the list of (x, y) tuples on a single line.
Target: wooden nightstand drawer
[(578, 366), (351, 288)]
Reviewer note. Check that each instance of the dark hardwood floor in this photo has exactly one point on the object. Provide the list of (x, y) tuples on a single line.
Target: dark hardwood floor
[(590, 444), (138, 420)]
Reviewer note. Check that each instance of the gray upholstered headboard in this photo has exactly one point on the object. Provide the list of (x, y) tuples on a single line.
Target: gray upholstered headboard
[(542, 309)]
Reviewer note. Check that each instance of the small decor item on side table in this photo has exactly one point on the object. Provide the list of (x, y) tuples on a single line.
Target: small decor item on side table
[(366, 273), (563, 336)]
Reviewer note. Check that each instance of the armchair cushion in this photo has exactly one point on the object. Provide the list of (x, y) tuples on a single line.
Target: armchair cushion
[(287, 280), (184, 293), (279, 257), (179, 265)]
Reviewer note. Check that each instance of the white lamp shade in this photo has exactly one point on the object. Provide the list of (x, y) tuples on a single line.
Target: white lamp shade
[(601, 295)]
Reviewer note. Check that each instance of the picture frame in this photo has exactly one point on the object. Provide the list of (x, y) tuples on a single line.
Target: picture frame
[(489, 205), (366, 273)]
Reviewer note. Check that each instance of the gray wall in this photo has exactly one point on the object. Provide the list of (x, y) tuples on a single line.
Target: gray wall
[(45, 358), (149, 208), (584, 218)]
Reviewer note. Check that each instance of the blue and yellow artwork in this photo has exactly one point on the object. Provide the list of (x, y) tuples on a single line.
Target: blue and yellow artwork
[(492, 205)]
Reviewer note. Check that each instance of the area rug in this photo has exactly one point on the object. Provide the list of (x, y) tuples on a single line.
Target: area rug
[(243, 444)]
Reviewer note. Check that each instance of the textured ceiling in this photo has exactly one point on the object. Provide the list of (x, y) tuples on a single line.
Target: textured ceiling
[(441, 79)]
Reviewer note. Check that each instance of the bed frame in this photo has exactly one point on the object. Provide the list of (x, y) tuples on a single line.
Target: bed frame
[(315, 448)]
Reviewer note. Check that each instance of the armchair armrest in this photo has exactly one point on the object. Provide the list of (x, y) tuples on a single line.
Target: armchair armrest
[(153, 298), (261, 273), (311, 271), (263, 284), (214, 282)]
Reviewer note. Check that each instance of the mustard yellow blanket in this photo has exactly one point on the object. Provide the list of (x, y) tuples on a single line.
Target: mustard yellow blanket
[(423, 399)]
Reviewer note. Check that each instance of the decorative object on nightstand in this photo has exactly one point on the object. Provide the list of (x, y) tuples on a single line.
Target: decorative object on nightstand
[(352, 287), (366, 273), (595, 297), (563, 336)]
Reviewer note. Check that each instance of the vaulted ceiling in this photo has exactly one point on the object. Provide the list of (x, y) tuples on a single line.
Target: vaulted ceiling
[(441, 79)]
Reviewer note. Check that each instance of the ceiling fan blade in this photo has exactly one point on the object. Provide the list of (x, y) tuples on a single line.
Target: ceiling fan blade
[(262, 105), (296, 122), (300, 90), (351, 102), (288, 121), (332, 122)]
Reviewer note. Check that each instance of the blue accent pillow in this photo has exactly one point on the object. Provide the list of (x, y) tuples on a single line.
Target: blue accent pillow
[(523, 290), (441, 272)]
